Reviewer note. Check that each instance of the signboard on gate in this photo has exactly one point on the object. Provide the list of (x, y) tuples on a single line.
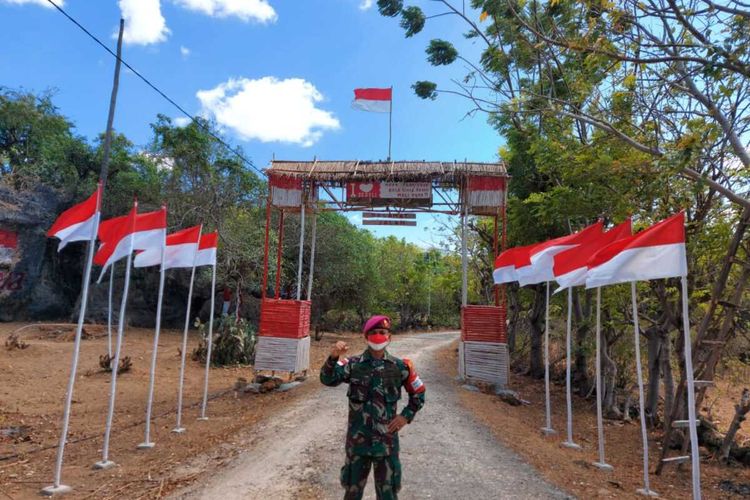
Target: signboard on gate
[(414, 194)]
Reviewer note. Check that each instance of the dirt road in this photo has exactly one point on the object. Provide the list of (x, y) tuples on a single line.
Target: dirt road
[(446, 454)]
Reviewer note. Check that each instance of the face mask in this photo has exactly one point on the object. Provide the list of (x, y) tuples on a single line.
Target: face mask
[(377, 341)]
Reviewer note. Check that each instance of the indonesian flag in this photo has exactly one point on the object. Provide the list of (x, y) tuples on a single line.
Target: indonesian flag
[(78, 223), (285, 191), (148, 231), (505, 264), (151, 229), (654, 253), (485, 191), (537, 268), (207, 250), (570, 266), (376, 100), (181, 250), (119, 242)]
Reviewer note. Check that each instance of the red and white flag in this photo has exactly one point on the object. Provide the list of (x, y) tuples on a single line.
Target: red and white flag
[(570, 266), (207, 250), (119, 242), (180, 252), (376, 100), (505, 264), (77, 223), (134, 231), (537, 268), (285, 191), (654, 253), (151, 229)]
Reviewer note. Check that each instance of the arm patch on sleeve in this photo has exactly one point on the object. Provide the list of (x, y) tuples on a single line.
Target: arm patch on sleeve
[(413, 383)]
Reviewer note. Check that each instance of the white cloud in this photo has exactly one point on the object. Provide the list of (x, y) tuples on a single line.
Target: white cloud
[(247, 10), (144, 23), (366, 4), (182, 121), (43, 3), (185, 52), (269, 109)]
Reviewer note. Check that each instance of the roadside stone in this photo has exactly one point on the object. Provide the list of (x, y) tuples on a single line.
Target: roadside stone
[(252, 388), (288, 386), (510, 397), (470, 388)]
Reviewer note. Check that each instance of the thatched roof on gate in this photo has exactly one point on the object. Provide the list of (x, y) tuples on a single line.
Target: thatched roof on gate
[(341, 171)]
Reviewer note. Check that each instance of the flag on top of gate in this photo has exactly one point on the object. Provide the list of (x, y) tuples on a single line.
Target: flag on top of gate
[(180, 252), (654, 253), (78, 222), (570, 267), (536, 267), (505, 264), (376, 100), (207, 250)]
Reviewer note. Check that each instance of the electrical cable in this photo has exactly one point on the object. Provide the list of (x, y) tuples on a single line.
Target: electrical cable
[(157, 90)]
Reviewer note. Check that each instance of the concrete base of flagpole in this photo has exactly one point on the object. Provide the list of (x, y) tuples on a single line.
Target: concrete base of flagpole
[(548, 431), (104, 464), (146, 446), (646, 493), (603, 466), (50, 491), (179, 430), (571, 445), (202, 418)]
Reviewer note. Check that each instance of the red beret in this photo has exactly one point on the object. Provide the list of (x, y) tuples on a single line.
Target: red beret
[(377, 322)]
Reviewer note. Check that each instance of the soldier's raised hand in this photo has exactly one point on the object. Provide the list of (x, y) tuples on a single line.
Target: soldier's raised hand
[(338, 349)]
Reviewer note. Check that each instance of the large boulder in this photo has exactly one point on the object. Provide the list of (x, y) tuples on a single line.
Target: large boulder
[(35, 282)]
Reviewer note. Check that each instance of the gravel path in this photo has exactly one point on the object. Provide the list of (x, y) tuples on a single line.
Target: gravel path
[(445, 453)]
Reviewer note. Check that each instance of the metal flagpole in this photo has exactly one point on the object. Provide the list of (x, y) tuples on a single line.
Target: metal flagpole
[(464, 258), (548, 405), (147, 443), (646, 490), (109, 312), (105, 463), (568, 392), (602, 463), (209, 344), (179, 429), (692, 422), (390, 124), (301, 246), (57, 486)]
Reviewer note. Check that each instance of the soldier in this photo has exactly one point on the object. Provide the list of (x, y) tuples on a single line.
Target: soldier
[(375, 379)]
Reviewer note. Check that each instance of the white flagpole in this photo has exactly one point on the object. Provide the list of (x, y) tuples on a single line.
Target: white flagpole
[(57, 486), (109, 311), (105, 463), (179, 429), (548, 405), (568, 392), (147, 443), (301, 247), (646, 490), (692, 419), (210, 345), (602, 463)]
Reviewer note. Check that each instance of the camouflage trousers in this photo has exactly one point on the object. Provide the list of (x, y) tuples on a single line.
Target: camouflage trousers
[(387, 474)]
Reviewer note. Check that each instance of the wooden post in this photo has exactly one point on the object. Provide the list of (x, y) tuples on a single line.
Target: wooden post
[(112, 103)]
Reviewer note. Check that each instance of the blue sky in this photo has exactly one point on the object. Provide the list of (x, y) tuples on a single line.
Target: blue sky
[(278, 74)]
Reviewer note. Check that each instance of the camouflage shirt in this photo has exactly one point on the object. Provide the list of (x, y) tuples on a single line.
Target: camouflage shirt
[(374, 390)]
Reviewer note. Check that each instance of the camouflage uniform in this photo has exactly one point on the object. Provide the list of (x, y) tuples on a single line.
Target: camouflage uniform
[(374, 390)]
